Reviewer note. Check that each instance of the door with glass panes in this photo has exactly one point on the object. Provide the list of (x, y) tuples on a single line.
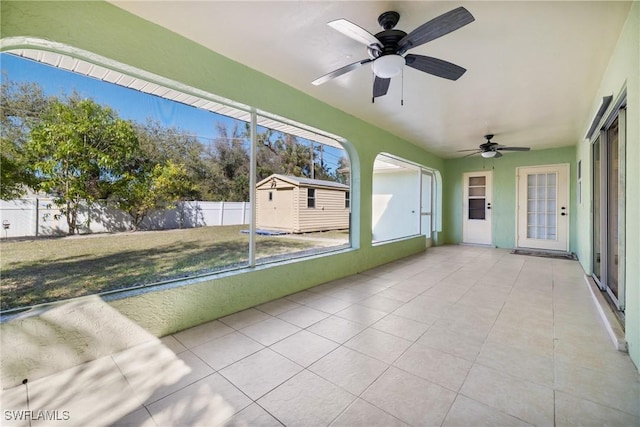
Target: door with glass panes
[(543, 207)]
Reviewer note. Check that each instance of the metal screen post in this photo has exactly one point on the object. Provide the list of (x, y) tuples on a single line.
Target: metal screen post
[(252, 188)]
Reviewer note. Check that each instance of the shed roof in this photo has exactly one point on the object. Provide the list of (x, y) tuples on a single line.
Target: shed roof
[(306, 182)]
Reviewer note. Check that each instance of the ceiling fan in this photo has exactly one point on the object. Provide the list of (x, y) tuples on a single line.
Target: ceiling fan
[(387, 49), (492, 149)]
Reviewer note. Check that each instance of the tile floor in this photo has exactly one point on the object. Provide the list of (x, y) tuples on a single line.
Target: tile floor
[(458, 336)]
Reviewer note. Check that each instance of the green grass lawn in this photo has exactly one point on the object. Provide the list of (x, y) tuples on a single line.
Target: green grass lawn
[(47, 269)]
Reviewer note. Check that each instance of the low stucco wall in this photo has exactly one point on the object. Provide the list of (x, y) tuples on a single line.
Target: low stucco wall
[(57, 336)]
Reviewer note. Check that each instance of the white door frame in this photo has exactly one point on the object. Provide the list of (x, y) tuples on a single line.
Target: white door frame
[(562, 205), (477, 231)]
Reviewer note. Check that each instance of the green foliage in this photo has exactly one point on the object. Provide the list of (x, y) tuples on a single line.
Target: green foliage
[(160, 144), (20, 108), (79, 152), (158, 186)]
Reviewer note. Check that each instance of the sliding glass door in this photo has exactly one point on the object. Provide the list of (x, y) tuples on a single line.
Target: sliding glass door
[(608, 197)]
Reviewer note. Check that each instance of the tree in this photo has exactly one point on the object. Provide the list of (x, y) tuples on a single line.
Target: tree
[(161, 144), (21, 105), (157, 186), (229, 165), (79, 152)]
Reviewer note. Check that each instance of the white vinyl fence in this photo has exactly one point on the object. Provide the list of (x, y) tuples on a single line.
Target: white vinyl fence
[(41, 217)]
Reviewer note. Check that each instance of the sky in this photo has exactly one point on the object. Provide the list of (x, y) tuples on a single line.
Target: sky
[(130, 104)]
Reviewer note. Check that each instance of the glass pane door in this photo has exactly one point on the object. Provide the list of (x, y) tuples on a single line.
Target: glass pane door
[(542, 221), (613, 171), (597, 267)]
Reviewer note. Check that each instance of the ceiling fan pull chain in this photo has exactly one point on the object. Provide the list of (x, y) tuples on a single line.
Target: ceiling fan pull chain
[(402, 88)]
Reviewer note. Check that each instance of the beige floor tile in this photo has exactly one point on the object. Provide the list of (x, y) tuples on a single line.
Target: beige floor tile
[(336, 329), (306, 400), (618, 390), (371, 286), (381, 303), (244, 318), (328, 304), (449, 292), (363, 414), (468, 412), (398, 294), (573, 411), (303, 316), (413, 400), (349, 369), (260, 373), (378, 344), (519, 363), (14, 400), (433, 365), (173, 344), (328, 287), (270, 331), (351, 292), (226, 350), (522, 399), (415, 311), (540, 343), (304, 348), (591, 352), (208, 402), (202, 333), (137, 418), (361, 314), (416, 285), (94, 393), (493, 299), (440, 338), (303, 297), (385, 282), (153, 371), (278, 306), (401, 327), (253, 416), (466, 327)]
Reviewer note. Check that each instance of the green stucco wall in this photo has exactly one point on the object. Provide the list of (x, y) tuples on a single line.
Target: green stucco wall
[(504, 191), (106, 30), (622, 72)]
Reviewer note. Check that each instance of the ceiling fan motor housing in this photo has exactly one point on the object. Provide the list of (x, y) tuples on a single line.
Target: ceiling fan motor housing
[(388, 20)]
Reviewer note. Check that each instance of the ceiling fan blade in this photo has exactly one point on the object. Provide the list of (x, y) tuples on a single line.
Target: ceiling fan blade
[(437, 27), (498, 154), (380, 86), (435, 66), (471, 149), (354, 31), (513, 148), (339, 72), (471, 154)]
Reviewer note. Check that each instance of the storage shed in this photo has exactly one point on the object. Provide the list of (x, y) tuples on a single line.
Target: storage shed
[(299, 205)]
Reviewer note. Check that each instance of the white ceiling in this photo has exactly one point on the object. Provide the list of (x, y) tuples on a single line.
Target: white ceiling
[(533, 68)]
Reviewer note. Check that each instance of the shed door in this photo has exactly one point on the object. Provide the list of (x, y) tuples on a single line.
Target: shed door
[(278, 209)]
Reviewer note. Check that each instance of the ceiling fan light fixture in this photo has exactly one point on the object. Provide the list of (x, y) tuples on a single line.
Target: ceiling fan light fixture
[(388, 66), (488, 154)]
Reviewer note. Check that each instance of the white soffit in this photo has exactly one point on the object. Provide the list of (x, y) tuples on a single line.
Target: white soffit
[(200, 101)]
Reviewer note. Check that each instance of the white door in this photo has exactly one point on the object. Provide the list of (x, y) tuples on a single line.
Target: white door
[(476, 223), (543, 207)]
